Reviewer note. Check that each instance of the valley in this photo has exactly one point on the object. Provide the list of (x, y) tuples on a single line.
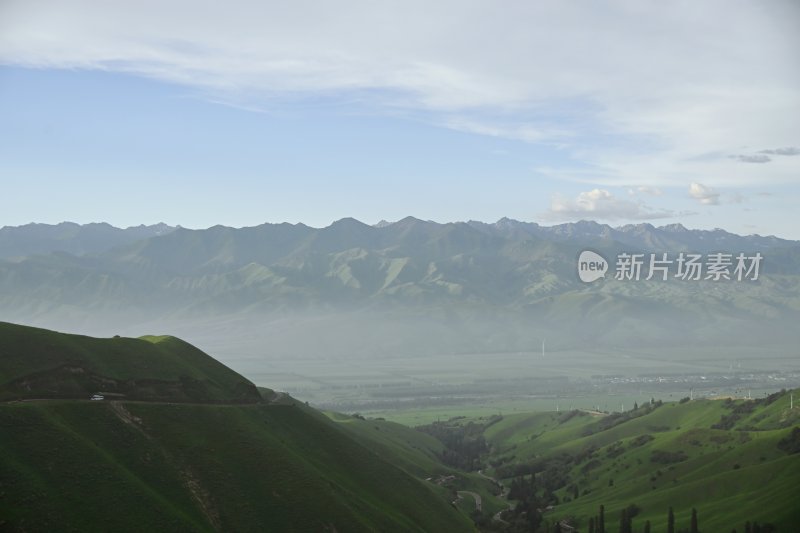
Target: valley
[(218, 463), (416, 389)]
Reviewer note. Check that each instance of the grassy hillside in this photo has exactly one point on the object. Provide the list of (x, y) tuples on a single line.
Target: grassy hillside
[(413, 450), (202, 449), (38, 363), (421, 454), (734, 461), (98, 466), (198, 450)]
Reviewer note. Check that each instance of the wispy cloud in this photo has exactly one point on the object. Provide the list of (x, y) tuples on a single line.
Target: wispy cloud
[(763, 156), (651, 191), (521, 132), (757, 158), (788, 150), (700, 86)]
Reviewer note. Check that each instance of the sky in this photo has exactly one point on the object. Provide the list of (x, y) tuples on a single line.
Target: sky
[(244, 112)]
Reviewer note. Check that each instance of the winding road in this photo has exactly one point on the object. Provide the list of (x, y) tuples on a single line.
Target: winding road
[(475, 496), (503, 494)]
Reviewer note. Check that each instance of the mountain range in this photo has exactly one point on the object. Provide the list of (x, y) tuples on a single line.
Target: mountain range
[(17, 242), (408, 287)]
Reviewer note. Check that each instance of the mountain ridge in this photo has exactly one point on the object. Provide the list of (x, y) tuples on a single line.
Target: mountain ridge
[(460, 277), (45, 238), (70, 237)]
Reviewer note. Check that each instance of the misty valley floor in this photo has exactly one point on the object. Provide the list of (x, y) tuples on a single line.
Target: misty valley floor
[(421, 389)]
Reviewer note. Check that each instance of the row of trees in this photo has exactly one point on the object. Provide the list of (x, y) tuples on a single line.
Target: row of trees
[(597, 524), (464, 443)]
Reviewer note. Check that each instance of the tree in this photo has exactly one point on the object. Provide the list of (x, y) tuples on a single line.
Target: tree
[(647, 526), (635, 406), (670, 521), (601, 521), (625, 524), (693, 527), (591, 525)]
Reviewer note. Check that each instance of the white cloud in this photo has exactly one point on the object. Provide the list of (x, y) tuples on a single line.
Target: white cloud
[(704, 195), (634, 91), (600, 204)]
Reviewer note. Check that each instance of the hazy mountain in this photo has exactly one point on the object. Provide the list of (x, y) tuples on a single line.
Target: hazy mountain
[(407, 287), (30, 239), (669, 238)]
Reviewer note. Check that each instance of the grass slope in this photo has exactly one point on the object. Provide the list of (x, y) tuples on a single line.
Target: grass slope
[(420, 454), (147, 466), (721, 457), (38, 363), (204, 454), (416, 452)]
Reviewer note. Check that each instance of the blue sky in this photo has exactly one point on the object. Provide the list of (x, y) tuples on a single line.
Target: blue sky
[(259, 112)]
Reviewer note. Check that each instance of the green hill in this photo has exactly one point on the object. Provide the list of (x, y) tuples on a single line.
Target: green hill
[(415, 451), (156, 467), (168, 466), (734, 461), (201, 449), (38, 363)]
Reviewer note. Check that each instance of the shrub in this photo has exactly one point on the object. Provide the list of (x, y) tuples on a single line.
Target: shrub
[(791, 443), (665, 457)]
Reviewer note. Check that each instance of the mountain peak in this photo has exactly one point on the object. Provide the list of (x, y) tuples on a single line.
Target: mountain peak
[(348, 222), (674, 228), (639, 228), (408, 221)]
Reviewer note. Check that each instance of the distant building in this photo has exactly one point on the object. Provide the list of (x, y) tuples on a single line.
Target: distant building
[(96, 397)]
